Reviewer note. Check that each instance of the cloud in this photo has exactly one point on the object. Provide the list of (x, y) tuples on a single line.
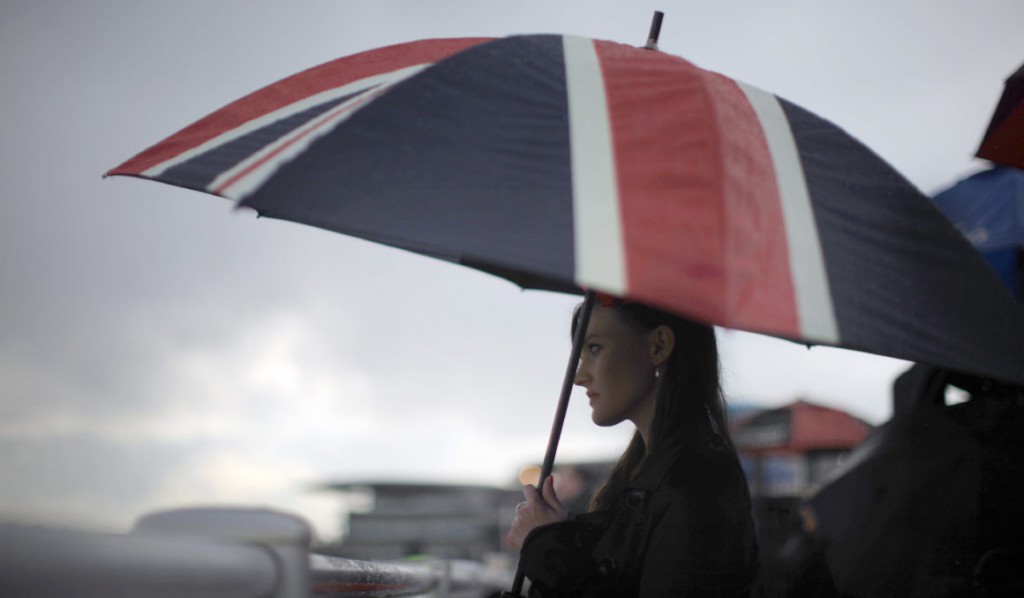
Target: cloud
[(81, 480)]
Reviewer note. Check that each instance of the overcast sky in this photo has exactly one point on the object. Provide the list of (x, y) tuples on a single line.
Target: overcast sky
[(158, 349)]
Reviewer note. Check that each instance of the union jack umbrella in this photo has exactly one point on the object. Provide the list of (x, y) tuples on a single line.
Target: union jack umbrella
[(562, 163)]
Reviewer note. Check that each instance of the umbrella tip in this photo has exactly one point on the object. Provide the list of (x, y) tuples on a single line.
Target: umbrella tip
[(652, 37)]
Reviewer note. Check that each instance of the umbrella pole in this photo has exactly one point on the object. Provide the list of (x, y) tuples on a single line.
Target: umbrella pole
[(563, 407)]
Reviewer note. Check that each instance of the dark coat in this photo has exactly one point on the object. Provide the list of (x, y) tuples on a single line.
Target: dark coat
[(682, 528)]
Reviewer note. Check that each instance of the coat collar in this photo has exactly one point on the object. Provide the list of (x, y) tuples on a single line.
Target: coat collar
[(653, 471)]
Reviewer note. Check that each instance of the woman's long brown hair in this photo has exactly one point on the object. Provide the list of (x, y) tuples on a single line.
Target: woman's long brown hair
[(689, 401)]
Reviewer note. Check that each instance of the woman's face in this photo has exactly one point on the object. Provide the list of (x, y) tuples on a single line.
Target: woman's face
[(617, 369)]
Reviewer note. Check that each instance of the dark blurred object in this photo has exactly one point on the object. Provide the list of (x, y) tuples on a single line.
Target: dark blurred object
[(786, 452), (1003, 142), (931, 503), (988, 208)]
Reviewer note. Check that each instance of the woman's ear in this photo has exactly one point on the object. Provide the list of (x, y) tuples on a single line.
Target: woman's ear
[(662, 342)]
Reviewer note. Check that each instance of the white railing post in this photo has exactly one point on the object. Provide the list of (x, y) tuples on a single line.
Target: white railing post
[(286, 536), (56, 563)]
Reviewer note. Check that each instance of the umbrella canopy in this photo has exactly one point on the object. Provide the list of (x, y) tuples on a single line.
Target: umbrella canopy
[(1003, 142), (988, 208), (562, 162)]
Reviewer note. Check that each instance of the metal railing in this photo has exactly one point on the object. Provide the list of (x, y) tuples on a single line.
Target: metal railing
[(215, 553)]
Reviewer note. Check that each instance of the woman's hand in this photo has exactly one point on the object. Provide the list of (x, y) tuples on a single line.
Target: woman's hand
[(538, 509)]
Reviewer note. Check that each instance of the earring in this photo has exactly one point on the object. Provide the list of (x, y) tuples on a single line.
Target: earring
[(657, 372)]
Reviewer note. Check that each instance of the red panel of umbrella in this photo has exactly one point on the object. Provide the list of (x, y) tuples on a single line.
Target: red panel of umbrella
[(564, 163), (1003, 142)]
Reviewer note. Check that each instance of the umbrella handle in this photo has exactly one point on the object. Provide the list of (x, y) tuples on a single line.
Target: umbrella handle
[(563, 407)]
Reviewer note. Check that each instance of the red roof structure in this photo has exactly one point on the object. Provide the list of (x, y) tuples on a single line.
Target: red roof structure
[(798, 428)]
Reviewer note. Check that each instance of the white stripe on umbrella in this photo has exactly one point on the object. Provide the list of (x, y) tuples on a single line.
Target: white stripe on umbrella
[(810, 281), (249, 174), (284, 112), (597, 227)]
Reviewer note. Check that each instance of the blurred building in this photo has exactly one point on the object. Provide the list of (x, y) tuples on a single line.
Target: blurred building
[(790, 450), (787, 453), (445, 521)]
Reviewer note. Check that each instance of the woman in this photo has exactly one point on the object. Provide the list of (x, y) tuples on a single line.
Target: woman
[(674, 516)]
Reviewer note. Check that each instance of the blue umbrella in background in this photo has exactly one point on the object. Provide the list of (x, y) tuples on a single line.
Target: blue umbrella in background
[(988, 208)]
